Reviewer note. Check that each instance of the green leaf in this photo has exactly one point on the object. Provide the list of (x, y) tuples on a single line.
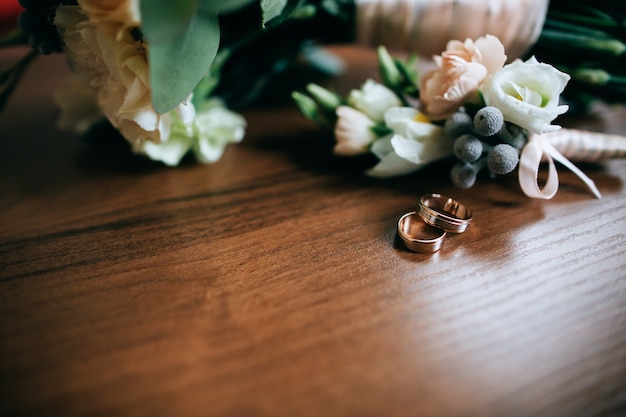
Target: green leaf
[(607, 47), (307, 106), (221, 6), (177, 66), (165, 20), (381, 130), (211, 80), (410, 77), (388, 70), (591, 76), (272, 9), (325, 98), (291, 9), (589, 17)]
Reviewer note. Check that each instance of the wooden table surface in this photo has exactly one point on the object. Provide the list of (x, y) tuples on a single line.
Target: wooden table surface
[(272, 284)]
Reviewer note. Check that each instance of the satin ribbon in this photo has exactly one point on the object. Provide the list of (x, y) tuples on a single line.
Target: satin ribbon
[(537, 149)]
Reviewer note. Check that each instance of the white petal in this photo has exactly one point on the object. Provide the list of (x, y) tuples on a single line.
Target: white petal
[(170, 152), (399, 119), (391, 166), (422, 152), (382, 147)]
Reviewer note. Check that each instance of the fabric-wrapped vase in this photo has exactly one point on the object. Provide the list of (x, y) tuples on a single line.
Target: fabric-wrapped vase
[(425, 26)]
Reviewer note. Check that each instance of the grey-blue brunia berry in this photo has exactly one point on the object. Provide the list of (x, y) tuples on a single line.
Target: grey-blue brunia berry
[(463, 175), (502, 159), (458, 124), (488, 121), (468, 148), (513, 135)]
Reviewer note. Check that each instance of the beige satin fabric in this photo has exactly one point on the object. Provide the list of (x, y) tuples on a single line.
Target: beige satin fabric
[(425, 26)]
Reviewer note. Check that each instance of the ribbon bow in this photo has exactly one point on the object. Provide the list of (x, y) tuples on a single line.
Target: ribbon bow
[(537, 149)]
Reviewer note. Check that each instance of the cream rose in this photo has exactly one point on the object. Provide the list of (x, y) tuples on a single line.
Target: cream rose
[(123, 12), (115, 66), (461, 70), (527, 93)]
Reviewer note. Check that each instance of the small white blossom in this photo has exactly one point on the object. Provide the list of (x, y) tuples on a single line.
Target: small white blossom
[(414, 143), (206, 136), (352, 132), (373, 99), (390, 165), (215, 128)]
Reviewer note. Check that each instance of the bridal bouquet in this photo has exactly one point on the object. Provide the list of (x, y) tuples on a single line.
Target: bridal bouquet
[(169, 75), (487, 114), (165, 73)]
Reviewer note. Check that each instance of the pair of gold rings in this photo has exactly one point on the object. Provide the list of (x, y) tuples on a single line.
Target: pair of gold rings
[(437, 215)]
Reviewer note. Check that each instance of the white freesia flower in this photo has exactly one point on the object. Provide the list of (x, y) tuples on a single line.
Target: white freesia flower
[(390, 165), (115, 66), (206, 136), (527, 93), (352, 132), (373, 99), (415, 143)]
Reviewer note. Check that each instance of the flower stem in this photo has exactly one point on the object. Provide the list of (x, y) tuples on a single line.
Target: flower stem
[(10, 78), (14, 38)]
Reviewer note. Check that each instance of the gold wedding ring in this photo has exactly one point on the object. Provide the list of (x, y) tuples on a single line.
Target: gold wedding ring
[(418, 236), (444, 212)]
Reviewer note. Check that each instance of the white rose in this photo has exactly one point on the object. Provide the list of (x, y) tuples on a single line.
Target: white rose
[(527, 93), (352, 132), (415, 143), (373, 99)]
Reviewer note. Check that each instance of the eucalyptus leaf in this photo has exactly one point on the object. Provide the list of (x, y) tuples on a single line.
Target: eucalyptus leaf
[(272, 9), (289, 7), (177, 66), (165, 20)]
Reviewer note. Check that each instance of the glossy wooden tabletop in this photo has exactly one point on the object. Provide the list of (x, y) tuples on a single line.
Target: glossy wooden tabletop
[(272, 283)]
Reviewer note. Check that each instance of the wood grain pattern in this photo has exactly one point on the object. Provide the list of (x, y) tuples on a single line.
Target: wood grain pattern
[(271, 283)]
